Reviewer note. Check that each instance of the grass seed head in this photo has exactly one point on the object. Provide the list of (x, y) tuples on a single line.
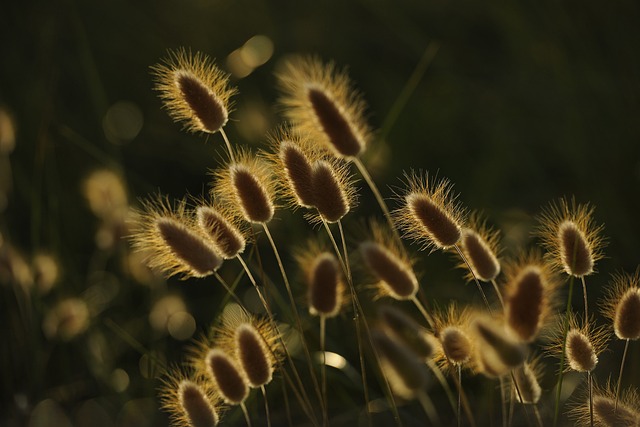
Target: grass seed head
[(223, 229), (622, 305), (194, 90), (394, 273), (326, 288), (494, 342), (584, 343), (526, 376), (605, 413), (574, 241), (320, 101), (481, 249), (399, 325), (228, 377), (430, 213), (190, 400), (173, 242), (333, 193), (255, 358)]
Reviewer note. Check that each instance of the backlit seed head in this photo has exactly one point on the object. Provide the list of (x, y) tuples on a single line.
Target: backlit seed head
[(106, 194), (452, 328), (194, 90), (406, 372), (430, 213), (526, 376), (319, 100), (325, 285), (223, 228), (584, 343), (497, 347), (481, 248), (400, 326), (190, 400), (529, 296), (292, 155), (332, 189), (622, 305), (247, 186), (605, 413), (227, 376), (172, 242), (573, 241)]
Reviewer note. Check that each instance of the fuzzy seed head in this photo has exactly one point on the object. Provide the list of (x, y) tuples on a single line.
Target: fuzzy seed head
[(247, 186), (580, 353), (222, 229), (254, 356), (318, 99), (496, 345), (196, 406), (407, 331), (326, 289), (194, 90), (298, 173), (456, 345), (395, 275), (190, 400), (622, 305), (330, 195), (405, 371), (480, 246), (527, 380), (568, 232), (227, 376), (605, 413), (171, 240), (526, 304), (430, 214)]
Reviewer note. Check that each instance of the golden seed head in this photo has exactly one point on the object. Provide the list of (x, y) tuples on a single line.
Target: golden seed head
[(332, 191), (228, 377), (605, 413), (254, 356), (395, 275), (319, 100), (496, 346), (452, 329), (194, 90), (526, 376), (222, 228), (430, 213), (584, 343), (247, 186), (456, 345), (171, 240), (568, 232), (190, 400), (406, 330), (480, 247), (325, 286), (106, 194), (405, 371), (622, 305)]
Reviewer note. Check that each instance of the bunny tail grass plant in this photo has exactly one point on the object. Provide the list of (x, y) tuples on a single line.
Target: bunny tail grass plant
[(173, 243), (606, 412), (529, 392), (190, 400), (195, 91), (333, 193), (228, 378), (622, 307), (223, 228)]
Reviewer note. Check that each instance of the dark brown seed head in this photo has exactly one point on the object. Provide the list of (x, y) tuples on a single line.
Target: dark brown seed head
[(530, 391), (627, 316), (334, 123), (408, 331), (526, 304), (223, 232), (298, 172), (254, 199), (254, 356), (196, 405), (189, 247), (325, 285), (206, 106), (607, 414), (456, 345), (228, 378), (440, 227), (396, 276), (492, 338), (480, 255), (580, 352), (574, 250), (329, 196)]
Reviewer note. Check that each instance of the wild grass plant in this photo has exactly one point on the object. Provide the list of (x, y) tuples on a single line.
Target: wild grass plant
[(337, 326)]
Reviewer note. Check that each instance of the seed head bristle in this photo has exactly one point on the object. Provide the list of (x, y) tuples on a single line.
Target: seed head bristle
[(529, 296), (405, 371), (622, 305), (573, 241), (584, 343), (228, 377), (605, 413), (190, 400), (320, 101), (254, 356), (223, 228), (429, 212), (451, 327), (172, 241), (333, 192), (194, 90), (499, 350), (526, 376), (480, 246), (406, 330), (325, 286), (247, 186)]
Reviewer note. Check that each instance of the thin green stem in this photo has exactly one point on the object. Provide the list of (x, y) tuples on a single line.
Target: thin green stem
[(624, 356), (565, 326)]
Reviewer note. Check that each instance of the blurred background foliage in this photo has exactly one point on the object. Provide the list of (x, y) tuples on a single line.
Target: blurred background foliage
[(518, 103)]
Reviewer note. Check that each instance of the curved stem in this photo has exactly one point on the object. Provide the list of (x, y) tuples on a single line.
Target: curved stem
[(246, 414), (266, 405), (323, 370), (344, 250), (484, 297), (524, 406), (230, 292), (226, 141), (565, 326), (443, 382), (296, 315), (586, 306), (624, 356), (429, 408), (497, 289), (423, 311), (538, 417)]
